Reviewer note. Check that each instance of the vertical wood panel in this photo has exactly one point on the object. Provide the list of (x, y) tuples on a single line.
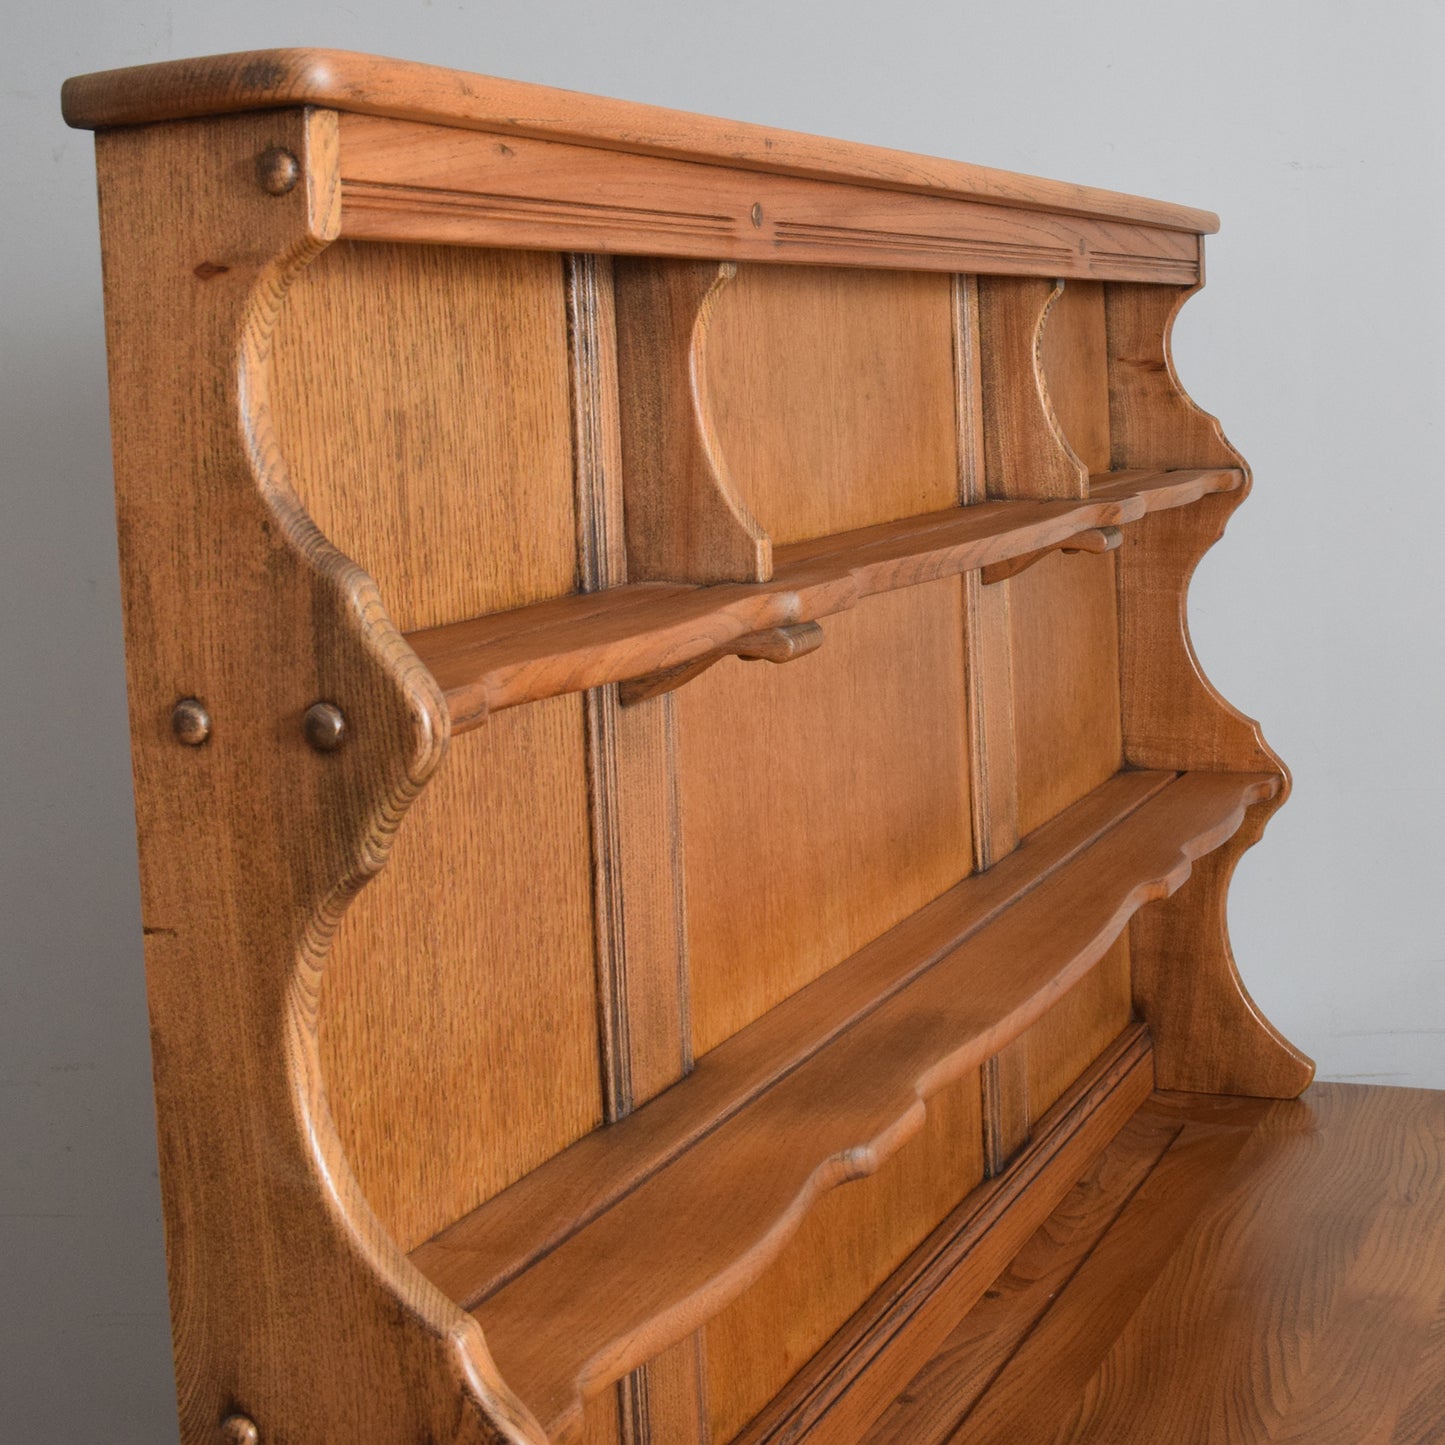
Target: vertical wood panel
[(421, 399), (822, 801), (847, 1247), (832, 394)]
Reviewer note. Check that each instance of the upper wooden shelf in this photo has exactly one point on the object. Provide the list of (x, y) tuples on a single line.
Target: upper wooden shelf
[(584, 640), (353, 83), (633, 1237)]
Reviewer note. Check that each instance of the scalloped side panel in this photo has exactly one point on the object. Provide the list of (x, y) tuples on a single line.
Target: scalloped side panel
[(253, 843)]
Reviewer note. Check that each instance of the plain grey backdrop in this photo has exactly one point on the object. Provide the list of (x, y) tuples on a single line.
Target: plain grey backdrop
[(1314, 127)]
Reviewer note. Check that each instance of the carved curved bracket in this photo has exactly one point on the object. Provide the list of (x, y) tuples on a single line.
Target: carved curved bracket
[(685, 519), (254, 842), (1208, 1033), (1026, 453)]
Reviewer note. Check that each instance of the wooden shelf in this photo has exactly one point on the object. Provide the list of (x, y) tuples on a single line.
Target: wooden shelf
[(585, 640), (629, 1240)]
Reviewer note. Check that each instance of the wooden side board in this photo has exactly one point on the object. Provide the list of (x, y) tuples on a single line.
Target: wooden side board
[(253, 841)]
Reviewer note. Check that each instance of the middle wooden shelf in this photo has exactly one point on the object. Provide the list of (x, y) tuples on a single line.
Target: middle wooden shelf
[(640, 629), (642, 1230)]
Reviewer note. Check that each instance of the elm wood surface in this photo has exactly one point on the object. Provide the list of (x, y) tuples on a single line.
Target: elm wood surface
[(851, 1381), (444, 186), (473, 1258), (370, 349), (833, 395), (849, 1244), (1227, 1269), (665, 1257), (372, 85), (287, 1291), (571, 643), (685, 519), (638, 912), (1208, 1033), (221, 560)]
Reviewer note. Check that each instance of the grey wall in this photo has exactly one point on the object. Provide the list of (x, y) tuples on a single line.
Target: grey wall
[(1314, 128)]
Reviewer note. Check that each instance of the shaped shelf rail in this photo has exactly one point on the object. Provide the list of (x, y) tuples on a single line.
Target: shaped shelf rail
[(640, 629), (633, 1237)]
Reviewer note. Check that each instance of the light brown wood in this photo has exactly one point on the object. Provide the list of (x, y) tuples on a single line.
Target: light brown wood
[(499, 661), (849, 1383), (679, 945), (600, 1302), (370, 85), (1026, 454), (445, 186), (838, 772), (474, 1257), (1208, 1033), (685, 516), (370, 347), (848, 1246), (1315, 1228), (265, 1220), (833, 396)]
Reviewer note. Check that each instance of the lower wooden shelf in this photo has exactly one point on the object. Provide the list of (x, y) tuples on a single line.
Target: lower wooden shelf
[(632, 1238)]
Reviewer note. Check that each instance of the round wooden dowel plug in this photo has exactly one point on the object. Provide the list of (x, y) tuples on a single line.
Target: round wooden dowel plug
[(278, 171), (190, 722), (324, 726), (238, 1430)]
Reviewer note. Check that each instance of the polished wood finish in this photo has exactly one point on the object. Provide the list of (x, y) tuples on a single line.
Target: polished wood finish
[(443, 186), (1315, 1230), (713, 1031), (853, 1380), (345, 81), (505, 659), (662, 1258), (254, 843)]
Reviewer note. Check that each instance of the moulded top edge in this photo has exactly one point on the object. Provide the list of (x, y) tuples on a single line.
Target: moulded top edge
[(408, 90)]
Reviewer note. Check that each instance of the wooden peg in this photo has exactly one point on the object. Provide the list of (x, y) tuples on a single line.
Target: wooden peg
[(773, 644)]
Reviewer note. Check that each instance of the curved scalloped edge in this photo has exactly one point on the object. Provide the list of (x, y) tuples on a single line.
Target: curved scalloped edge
[(891, 1115), (1026, 453), (1209, 1034), (253, 845), (686, 520)]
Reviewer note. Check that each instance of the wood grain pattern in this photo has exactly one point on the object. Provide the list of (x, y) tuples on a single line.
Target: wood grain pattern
[(855, 1238), (473, 1258), (665, 1258), (1026, 454), (1315, 1228), (1209, 1035), (499, 661), (685, 517), (371, 85), (373, 349), (844, 775), (641, 944), (851, 1381), (833, 396), (440, 185), (233, 596), (931, 1405)]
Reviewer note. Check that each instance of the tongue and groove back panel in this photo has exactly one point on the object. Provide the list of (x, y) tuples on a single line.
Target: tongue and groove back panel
[(434, 415)]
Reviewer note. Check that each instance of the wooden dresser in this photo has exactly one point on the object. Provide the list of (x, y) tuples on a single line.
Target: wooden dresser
[(723, 593)]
